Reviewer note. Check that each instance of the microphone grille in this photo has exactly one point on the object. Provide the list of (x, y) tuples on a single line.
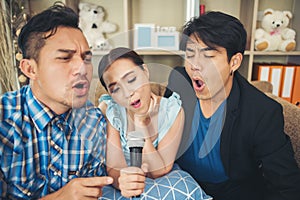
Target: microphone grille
[(135, 139)]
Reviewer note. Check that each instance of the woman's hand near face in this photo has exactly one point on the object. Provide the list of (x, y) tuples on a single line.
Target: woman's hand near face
[(148, 123), (131, 181)]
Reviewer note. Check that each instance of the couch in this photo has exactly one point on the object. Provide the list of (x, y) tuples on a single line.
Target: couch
[(290, 111), (291, 115)]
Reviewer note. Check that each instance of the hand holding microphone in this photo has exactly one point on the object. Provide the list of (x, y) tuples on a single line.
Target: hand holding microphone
[(133, 174)]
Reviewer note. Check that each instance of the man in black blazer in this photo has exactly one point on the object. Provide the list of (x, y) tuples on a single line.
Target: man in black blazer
[(234, 143)]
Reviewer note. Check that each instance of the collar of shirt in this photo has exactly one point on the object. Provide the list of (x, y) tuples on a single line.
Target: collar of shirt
[(40, 114)]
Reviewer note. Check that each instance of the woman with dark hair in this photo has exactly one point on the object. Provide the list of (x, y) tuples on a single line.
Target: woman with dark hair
[(132, 107)]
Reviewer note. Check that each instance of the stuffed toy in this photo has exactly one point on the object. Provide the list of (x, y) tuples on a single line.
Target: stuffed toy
[(94, 26), (275, 34)]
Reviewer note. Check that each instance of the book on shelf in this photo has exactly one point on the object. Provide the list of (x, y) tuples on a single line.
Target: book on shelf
[(270, 72), (287, 82), (285, 79), (296, 87)]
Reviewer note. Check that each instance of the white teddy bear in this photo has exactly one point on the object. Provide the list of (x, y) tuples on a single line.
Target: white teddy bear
[(93, 25), (274, 34)]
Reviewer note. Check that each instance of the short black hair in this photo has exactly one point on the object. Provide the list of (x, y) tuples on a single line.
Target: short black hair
[(216, 29), (32, 38), (116, 54)]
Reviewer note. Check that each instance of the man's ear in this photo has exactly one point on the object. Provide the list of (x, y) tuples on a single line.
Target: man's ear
[(236, 61), (28, 67)]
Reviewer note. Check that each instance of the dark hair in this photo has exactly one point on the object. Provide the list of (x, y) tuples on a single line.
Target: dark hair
[(116, 54), (32, 36), (216, 29)]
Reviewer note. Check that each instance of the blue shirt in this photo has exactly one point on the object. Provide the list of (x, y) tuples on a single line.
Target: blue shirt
[(40, 152), (203, 159)]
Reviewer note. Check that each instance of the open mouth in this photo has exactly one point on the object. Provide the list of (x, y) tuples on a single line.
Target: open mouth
[(198, 84), (136, 104), (81, 88)]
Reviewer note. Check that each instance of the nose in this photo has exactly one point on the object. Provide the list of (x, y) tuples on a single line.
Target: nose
[(128, 92), (195, 67), (193, 63), (80, 68)]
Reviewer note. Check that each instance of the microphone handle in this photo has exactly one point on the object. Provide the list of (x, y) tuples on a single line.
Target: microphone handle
[(136, 156), (136, 159)]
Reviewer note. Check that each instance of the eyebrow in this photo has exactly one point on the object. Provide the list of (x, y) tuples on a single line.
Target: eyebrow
[(69, 51), (125, 75), (202, 49), (207, 49)]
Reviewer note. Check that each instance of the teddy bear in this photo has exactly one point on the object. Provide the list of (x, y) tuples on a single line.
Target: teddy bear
[(275, 34), (94, 26)]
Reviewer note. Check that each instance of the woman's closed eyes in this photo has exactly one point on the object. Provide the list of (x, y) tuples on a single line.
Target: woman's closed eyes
[(116, 88)]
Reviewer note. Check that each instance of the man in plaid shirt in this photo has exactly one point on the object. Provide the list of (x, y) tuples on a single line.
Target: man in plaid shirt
[(52, 140)]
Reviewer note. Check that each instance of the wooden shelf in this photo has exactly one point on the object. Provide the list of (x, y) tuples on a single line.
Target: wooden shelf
[(149, 52), (272, 53), (125, 13), (276, 53), (160, 52)]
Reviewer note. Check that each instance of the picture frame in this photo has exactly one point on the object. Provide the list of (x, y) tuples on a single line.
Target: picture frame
[(167, 40), (144, 36)]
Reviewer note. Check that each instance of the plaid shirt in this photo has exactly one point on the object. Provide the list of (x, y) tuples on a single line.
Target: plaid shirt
[(40, 152)]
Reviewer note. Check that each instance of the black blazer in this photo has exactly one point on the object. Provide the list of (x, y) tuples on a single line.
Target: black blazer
[(256, 153)]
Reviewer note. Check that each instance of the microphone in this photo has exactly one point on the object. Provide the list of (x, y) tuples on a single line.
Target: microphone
[(135, 142)]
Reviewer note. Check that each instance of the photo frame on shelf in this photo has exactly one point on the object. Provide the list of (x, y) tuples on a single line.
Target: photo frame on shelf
[(167, 40), (144, 36)]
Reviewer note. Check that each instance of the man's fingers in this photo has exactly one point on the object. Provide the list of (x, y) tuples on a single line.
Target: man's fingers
[(82, 188), (96, 181), (94, 191)]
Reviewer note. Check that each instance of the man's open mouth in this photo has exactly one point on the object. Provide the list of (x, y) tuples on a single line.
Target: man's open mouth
[(79, 85), (198, 84), (81, 88)]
